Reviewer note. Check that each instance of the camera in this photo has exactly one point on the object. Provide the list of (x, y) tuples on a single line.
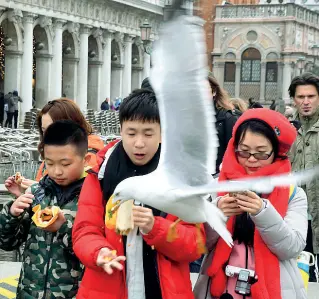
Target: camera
[(245, 279)]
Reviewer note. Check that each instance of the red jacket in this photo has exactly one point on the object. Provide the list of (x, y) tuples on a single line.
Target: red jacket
[(90, 235)]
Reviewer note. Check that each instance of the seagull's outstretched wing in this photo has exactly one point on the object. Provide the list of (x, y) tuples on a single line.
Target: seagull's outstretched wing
[(179, 78), (260, 185)]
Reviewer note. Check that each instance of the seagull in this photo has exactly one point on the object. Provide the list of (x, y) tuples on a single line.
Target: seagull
[(182, 182)]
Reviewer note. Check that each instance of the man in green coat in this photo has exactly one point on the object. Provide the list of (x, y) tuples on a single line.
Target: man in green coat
[(304, 90)]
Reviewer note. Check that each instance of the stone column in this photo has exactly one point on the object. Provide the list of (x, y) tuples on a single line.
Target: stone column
[(147, 65), (127, 71), (27, 64), (106, 67), (83, 68), (56, 84), (218, 71), (262, 83), (286, 81), (237, 79), (13, 71), (42, 92), (70, 67), (280, 80), (136, 77), (116, 80), (94, 85)]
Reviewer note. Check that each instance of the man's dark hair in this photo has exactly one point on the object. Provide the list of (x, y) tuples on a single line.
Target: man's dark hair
[(304, 79), (140, 105), (66, 132)]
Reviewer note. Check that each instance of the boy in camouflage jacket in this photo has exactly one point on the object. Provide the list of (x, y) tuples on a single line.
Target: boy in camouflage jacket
[(50, 268)]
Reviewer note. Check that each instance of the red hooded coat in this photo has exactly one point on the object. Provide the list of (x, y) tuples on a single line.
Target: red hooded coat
[(90, 235)]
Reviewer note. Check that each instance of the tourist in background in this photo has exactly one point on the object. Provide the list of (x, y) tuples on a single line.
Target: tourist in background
[(105, 105)]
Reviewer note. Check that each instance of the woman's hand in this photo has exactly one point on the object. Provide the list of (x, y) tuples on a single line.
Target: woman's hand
[(249, 202), (229, 206)]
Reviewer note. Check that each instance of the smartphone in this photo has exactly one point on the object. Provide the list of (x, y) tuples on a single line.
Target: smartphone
[(234, 194)]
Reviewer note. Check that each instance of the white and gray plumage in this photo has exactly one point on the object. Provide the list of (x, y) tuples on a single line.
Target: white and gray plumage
[(182, 182)]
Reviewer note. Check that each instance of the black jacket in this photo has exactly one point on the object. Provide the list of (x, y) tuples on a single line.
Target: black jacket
[(225, 121), (105, 106)]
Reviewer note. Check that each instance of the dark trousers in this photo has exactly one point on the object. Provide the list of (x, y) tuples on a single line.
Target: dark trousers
[(9, 119), (309, 248), (15, 115)]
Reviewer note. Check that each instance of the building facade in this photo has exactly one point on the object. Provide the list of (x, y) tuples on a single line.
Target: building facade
[(258, 49), (206, 9), (85, 49)]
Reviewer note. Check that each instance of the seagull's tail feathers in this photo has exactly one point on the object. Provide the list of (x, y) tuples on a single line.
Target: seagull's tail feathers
[(216, 220)]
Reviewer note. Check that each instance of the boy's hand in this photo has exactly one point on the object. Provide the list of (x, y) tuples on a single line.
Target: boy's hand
[(20, 204), (56, 225), (12, 186), (26, 183), (143, 218), (108, 260)]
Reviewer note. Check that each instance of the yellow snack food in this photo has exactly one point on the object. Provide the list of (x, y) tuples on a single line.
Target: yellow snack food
[(18, 178), (44, 218), (110, 214), (113, 252)]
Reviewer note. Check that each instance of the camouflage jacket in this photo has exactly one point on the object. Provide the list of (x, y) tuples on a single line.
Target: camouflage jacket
[(50, 268)]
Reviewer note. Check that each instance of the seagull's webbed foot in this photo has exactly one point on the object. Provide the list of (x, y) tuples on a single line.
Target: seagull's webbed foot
[(172, 233)]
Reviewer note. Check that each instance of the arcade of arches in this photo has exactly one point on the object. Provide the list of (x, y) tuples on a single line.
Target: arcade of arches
[(45, 58)]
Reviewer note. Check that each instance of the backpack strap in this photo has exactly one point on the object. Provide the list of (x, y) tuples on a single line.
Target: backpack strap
[(292, 192)]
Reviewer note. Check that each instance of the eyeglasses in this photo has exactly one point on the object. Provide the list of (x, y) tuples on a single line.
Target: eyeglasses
[(258, 156)]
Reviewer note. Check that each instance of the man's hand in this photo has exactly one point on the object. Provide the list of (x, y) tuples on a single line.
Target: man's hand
[(12, 186), (143, 218), (56, 225), (20, 204), (229, 206), (108, 260)]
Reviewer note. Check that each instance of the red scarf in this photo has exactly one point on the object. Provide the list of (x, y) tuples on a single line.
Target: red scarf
[(267, 264)]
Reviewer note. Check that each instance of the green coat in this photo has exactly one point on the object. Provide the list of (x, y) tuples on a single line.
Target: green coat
[(304, 154), (50, 268)]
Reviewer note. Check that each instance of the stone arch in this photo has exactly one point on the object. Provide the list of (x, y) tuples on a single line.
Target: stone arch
[(43, 36), (272, 56), (15, 32), (116, 49), (95, 49), (230, 56), (70, 44), (260, 49), (136, 56), (12, 52), (242, 32)]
